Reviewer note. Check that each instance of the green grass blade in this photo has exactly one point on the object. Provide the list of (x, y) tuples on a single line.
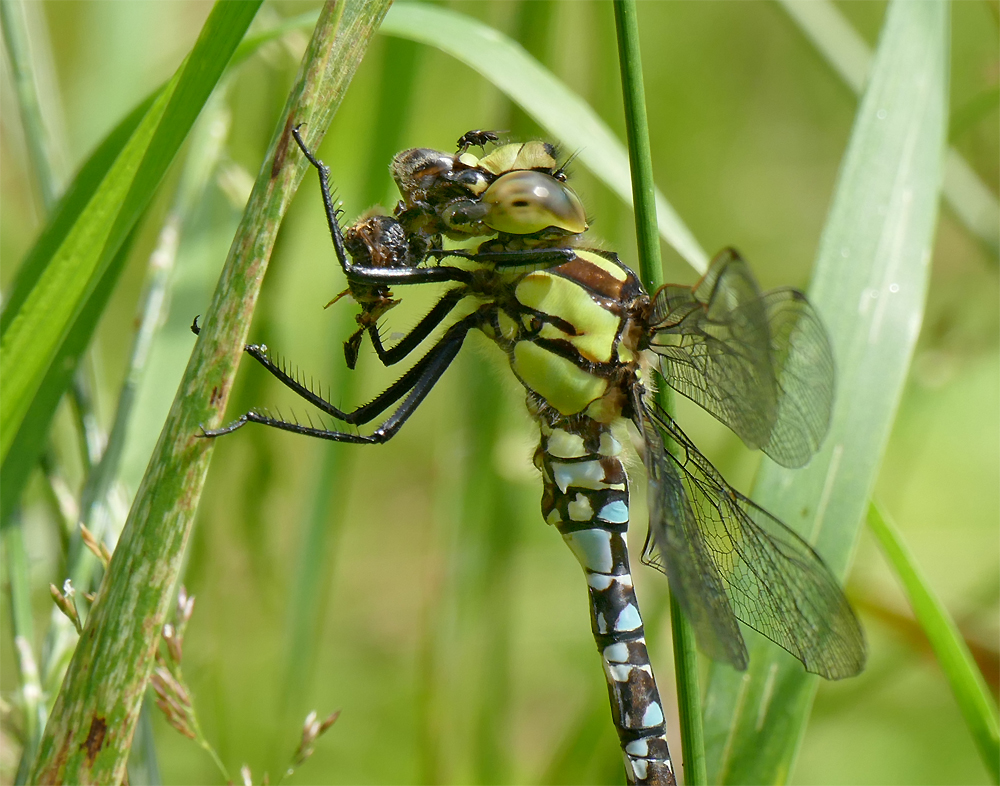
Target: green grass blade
[(88, 736), (40, 320), (640, 159), (37, 133), (548, 101), (869, 286), (966, 681), (848, 54), (30, 701)]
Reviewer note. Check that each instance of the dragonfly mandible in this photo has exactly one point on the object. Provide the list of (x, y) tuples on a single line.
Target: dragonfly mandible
[(588, 342)]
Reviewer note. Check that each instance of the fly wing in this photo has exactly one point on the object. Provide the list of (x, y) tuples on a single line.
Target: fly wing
[(760, 363), (676, 547), (771, 578)]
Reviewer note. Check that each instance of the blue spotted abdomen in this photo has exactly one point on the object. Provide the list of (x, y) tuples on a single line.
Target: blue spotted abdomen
[(586, 498)]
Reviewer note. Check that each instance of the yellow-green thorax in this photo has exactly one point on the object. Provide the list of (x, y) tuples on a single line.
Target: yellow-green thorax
[(568, 335)]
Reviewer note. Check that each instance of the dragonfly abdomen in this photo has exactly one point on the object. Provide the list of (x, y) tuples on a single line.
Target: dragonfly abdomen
[(586, 498)]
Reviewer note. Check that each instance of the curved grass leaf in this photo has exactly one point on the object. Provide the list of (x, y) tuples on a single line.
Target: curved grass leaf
[(967, 683), (548, 101), (870, 287), (50, 315), (849, 55)]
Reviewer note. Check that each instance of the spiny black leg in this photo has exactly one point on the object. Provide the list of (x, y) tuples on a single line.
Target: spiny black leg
[(422, 330), (446, 347), (396, 276), (324, 186), (416, 386)]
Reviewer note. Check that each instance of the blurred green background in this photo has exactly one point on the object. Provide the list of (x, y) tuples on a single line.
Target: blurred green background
[(407, 586)]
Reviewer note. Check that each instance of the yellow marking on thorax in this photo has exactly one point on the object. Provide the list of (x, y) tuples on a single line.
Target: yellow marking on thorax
[(508, 327), (615, 271), (564, 385), (597, 327)]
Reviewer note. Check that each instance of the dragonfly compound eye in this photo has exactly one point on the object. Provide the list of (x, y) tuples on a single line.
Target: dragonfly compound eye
[(525, 202)]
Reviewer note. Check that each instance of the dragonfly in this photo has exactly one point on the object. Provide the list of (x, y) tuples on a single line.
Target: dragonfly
[(590, 345)]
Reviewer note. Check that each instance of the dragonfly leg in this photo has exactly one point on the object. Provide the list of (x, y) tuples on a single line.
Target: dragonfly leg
[(414, 385), (519, 258), (422, 330)]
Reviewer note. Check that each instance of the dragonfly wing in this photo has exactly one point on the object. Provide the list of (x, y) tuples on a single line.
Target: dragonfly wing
[(774, 581), (804, 369), (760, 363), (675, 547), (713, 344)]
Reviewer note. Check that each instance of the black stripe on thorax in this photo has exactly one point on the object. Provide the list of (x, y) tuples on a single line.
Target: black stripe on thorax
[(565, 349)]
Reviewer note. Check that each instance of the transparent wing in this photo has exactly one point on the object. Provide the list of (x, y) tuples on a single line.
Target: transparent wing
[(760, 363), (802, 359), (713, 344), (730, 559), (675, 547)]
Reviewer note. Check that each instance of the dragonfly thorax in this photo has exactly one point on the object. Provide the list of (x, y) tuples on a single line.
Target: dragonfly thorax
[(568, 333)]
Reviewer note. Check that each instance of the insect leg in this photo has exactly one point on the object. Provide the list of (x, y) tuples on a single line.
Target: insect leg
[(423, 328), (415, 384)]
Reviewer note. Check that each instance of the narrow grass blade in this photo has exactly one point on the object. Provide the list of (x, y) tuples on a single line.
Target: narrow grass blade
[(91, 727), (30, 699), (870, 286), (547, 100), (53, 292), (38, 135), (848, 54), (643, 188), (967, 683)]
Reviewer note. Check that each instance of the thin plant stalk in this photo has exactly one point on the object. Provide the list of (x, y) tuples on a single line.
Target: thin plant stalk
[(44, 146), (651, 272)]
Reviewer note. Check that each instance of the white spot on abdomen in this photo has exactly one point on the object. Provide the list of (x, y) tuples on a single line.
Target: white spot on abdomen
[(592, 548), (580, 509), (616, 653), (562, 444), (629, 618), (582, 474), (653, 715)]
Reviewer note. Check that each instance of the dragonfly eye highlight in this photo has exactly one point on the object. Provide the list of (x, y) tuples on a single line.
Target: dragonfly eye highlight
[(524, 202)]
